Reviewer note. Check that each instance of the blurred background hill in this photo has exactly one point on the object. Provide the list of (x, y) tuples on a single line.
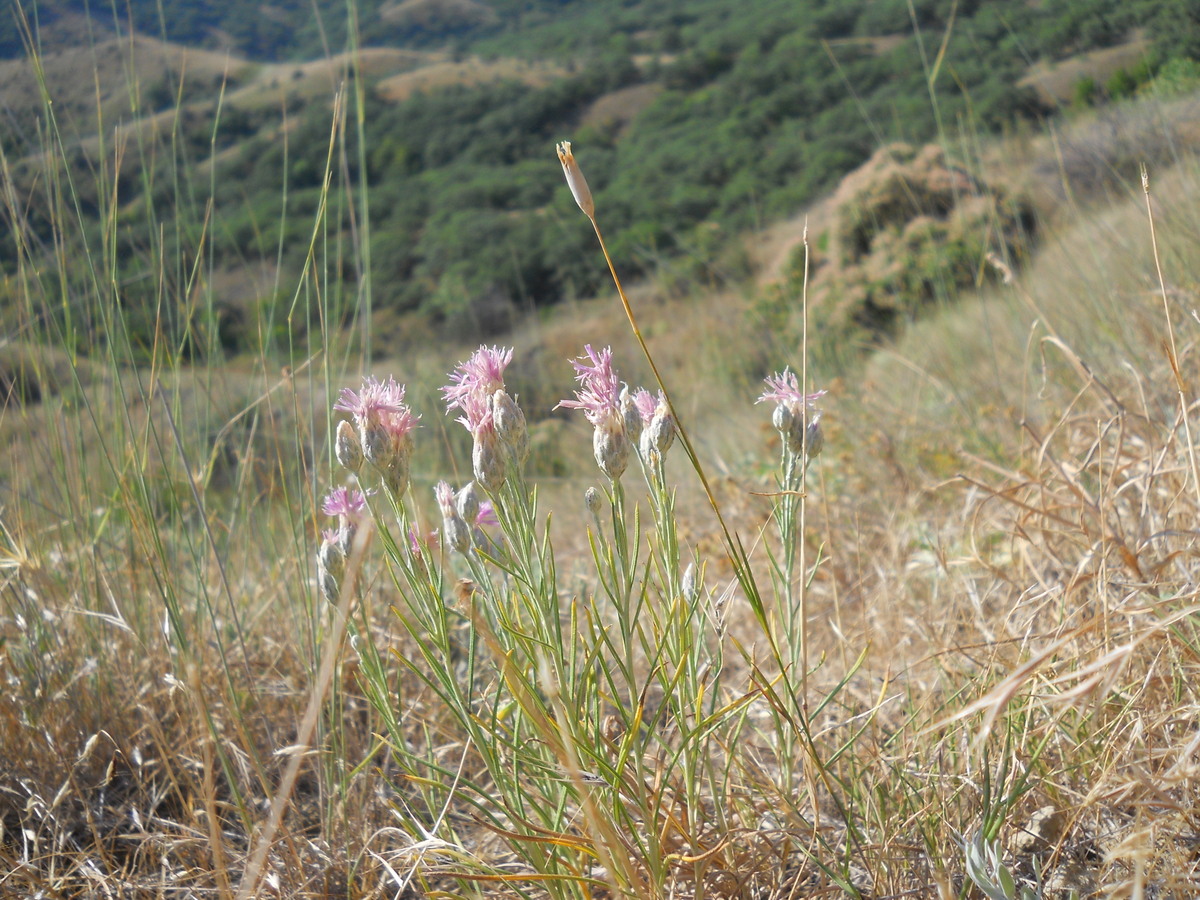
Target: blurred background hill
[(698, 122)]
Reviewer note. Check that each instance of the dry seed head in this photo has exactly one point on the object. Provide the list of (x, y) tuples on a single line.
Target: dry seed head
[(347, 447), (575, 180)]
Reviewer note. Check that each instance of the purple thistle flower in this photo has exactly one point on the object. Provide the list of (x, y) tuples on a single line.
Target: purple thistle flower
[(647, 404), (480, 376), (384, 421), (599, 395), (796, 416), (414, 541), (375, 398), (445, 498), (477, 413), (344, 503), (784, 388), (486, 515)]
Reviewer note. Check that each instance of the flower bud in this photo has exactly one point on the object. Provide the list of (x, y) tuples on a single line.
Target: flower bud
[(456, 533), (487, 460), (782, 419), (347, 447), (815, 440), (345, 536), (376, 442), (591, 499), (631, 416), (510, 426), (805, 437), (395, 476), (611, 449), (329, 584), (660, 433), (467, 502), (691, 590), (330, 556), (575, 180)]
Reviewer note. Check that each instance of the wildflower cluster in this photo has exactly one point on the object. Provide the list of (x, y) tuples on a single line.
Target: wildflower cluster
[(549, 689), (796, 416), (622, 419), (349, 507), (497, 424), (382, 432)]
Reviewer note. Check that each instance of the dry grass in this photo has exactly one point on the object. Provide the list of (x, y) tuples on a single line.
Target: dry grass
[(471, 71), (1056, 82)]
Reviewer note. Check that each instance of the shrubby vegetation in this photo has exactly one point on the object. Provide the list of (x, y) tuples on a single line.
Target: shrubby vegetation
[(760, 108)]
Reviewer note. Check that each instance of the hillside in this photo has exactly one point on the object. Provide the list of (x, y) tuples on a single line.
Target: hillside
[(696, 125)]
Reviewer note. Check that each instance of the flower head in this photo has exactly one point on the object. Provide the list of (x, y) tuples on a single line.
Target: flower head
[(647, 404), (479, 376), (796, 416), (344, 503), (385, 423), (445, 497), (599, 395), (783, 388), (486, 515), (375, 399), (348, 506)]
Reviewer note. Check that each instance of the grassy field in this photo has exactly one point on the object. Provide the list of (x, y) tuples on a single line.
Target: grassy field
[(952, 653)]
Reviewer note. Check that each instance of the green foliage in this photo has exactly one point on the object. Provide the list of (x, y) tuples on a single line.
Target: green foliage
[(1178, 76), (1085, 92), (761, 107)]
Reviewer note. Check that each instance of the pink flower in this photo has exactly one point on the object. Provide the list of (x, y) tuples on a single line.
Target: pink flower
[(348, 506), (376, 399), (445, 498), (477, 413), (473, 382), (415, 544), (647, 404), (486, 515), (383, 418), (784, 388), (344, 503), (599, 395)]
